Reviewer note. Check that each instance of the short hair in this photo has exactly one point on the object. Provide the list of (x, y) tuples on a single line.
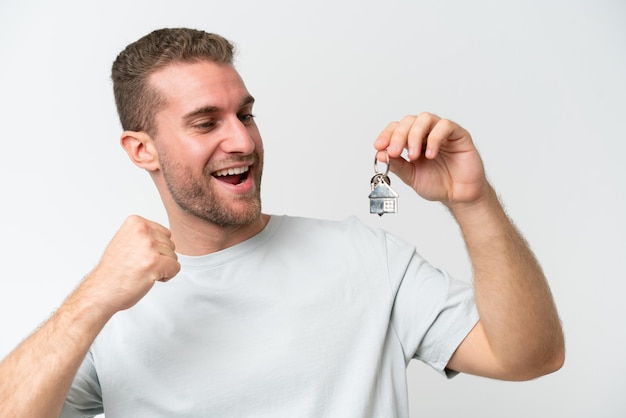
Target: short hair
[(137, 102)]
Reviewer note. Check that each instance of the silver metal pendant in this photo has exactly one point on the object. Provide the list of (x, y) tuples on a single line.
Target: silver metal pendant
[(383, 199)]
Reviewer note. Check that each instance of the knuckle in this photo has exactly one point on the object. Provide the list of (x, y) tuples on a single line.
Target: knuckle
[(409, 118), (140, 227), (134, 225), (446, 123), (147, 259), (133, 219)]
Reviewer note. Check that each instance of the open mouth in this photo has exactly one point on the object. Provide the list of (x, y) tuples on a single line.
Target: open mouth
[(236, 175)]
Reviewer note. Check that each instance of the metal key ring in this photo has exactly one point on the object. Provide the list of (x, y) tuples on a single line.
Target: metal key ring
[(376, 163)]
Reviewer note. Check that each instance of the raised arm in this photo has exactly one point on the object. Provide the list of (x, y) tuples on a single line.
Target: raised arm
[(519, 334), (36, 376)]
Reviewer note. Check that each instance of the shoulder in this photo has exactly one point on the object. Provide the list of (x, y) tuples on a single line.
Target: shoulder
[(346, 236), (345, 230)]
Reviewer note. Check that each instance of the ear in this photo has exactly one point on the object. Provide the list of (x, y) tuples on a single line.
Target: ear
[(140, 149)]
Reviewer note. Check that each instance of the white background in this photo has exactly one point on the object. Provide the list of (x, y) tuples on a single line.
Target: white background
[(540, 84)]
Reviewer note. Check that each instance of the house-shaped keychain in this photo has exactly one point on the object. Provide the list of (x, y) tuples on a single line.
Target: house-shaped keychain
[(383, 199)]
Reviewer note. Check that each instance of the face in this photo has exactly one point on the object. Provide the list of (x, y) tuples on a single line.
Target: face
[(209, 148)]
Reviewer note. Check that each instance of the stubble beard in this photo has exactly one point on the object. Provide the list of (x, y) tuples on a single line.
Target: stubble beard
[(198, 196)]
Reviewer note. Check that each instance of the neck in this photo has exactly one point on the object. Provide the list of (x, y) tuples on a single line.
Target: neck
[(194, 236)]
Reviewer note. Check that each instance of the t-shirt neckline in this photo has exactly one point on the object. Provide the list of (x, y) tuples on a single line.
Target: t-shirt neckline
[(237, 250)]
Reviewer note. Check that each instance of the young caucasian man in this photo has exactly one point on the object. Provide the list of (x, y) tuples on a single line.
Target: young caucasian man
[(231, 312)]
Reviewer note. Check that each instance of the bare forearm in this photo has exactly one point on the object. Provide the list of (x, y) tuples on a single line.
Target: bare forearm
[(515, 304), (36, 376)]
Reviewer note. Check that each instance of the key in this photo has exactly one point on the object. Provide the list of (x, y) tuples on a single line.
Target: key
[(378, 177), (383, 199)]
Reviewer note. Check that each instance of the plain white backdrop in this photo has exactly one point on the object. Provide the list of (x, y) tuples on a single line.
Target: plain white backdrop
[(539, 84)]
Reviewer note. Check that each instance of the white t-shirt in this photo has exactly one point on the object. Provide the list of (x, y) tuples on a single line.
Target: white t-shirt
[(309, 318)]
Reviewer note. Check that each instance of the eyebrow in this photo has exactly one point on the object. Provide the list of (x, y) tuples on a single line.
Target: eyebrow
[(214, 109)]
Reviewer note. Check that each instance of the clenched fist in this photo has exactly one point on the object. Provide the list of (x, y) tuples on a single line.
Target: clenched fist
[(139, 254)]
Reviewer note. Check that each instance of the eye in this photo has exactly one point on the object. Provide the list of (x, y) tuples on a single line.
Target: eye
[(246, 118), (205, 125)]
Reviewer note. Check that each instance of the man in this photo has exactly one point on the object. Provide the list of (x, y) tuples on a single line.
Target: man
[(269, 315)]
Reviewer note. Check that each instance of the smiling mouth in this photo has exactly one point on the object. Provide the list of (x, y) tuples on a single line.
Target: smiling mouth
[(236, 175)]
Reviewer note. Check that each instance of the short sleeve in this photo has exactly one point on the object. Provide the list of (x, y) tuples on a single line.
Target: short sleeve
[(432, 312), (85, 396)]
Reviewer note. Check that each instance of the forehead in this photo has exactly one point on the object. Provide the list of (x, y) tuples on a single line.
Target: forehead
[(187, 86)]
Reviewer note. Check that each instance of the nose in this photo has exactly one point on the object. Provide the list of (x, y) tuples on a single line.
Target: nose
[(237, 138)]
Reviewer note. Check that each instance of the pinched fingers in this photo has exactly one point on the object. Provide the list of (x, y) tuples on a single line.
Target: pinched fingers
[(441, 162), (411, 133), (397, 136), (423, 134)]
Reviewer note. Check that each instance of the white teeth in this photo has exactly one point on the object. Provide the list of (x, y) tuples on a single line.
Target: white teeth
[(232, 171)]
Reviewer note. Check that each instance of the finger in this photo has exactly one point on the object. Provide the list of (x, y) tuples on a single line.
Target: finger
[(157, 227), (159, 233), (382, 142), (166, 249), (169, 270), (163, 239), (399, 137), (419, 133), (444, 130)]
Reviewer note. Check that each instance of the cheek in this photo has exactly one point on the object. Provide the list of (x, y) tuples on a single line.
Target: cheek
[(256, 138), (191, 154)]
